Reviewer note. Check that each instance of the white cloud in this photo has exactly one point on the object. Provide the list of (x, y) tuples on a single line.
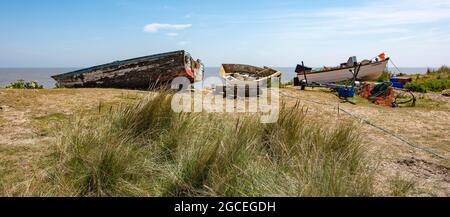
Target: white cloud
[(172, 34), (183, 43), (155, 27), (386, 20), (387, 13)]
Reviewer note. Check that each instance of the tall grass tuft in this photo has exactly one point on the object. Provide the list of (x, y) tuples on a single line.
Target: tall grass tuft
[(145, 149)]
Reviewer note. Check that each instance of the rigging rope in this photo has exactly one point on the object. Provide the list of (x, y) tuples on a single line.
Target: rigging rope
[(375, 126), (395, 66)]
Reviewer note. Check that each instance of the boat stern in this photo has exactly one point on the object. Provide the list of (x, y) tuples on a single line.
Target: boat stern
[(194, 69)]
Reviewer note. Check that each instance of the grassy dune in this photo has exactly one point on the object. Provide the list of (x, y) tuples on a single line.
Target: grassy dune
[(107, 142), (433, 81), (144, 149)]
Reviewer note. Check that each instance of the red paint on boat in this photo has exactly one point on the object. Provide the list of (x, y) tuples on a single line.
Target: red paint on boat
[(190, 73)]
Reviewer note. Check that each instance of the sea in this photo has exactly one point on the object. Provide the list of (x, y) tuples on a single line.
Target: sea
[(42, 75)]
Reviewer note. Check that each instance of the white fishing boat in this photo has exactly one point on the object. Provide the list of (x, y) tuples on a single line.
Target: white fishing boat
[(370, 70)]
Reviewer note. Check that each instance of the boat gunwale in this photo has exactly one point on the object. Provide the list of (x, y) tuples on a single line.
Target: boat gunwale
[(275, 74)]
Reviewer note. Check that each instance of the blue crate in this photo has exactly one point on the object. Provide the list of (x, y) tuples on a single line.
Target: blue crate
[(394, 80), (398, 85), (346, 92)]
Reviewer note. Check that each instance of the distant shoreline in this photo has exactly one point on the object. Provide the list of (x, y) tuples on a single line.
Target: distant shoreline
[(42, 75)]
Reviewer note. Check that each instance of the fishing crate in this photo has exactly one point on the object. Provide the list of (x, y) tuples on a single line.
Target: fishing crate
[(345, 92)]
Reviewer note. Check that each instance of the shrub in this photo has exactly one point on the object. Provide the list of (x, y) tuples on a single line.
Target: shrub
[(21, 84), (424, 86), (385, 77), (433, 81)]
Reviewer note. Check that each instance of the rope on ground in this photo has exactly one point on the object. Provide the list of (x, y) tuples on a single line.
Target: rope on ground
[(375, 126)]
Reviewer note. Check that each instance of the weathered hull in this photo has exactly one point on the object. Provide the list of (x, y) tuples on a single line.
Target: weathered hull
[(367, 72), (139, 73), (263, 74), (239, 87)]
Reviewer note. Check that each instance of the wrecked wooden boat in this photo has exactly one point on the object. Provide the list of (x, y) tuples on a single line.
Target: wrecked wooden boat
[(138, 73), (370, 70), (239, 74), (245, 77)]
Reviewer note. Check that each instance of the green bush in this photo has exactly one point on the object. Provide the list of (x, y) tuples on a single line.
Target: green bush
[(21, 84), (433, 81), (429, 85), (385, 77)]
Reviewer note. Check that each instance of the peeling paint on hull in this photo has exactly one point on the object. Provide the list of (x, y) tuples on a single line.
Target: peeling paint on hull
[(261, 74), (139, 73)]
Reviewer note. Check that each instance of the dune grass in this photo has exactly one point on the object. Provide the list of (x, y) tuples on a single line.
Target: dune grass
[(145, 149), (401, 187)]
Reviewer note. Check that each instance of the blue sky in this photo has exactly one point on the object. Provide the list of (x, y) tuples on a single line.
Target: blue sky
[(66, 33)]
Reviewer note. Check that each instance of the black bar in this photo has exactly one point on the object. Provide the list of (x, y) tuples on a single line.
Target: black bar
[(230, 206)]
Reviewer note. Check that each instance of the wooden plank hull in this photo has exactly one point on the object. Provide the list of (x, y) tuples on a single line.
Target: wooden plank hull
[(368, 72), (258, 75), (139, 73), (244, 80)]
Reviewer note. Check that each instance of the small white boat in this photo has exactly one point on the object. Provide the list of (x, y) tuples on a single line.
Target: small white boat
[(370, 70)]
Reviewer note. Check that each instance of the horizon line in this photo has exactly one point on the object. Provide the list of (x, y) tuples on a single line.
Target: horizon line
[(78, 67)]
